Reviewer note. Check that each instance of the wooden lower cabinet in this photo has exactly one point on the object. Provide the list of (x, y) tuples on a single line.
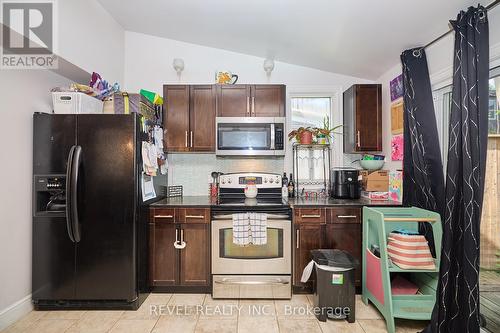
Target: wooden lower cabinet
[(194, 258), (163, 258), (307, 237), (179, 267), (330, 228), (346, 236)]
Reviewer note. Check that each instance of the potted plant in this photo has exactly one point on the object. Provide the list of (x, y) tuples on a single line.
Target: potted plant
[(302, 135), (325, 134)]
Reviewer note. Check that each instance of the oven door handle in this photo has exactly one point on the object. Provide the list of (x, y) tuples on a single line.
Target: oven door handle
[(256, 282)]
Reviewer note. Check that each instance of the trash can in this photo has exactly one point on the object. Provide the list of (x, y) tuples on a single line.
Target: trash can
[(334, 289)]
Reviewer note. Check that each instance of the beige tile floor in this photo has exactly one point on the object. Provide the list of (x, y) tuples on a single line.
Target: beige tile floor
[(184, 313)]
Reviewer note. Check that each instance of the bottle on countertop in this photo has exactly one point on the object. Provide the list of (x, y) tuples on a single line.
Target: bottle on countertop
[(284, 180), (284, 186), (291, 187)]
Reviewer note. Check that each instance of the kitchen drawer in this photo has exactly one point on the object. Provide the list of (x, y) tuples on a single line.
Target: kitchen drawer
[(309, 215), (163, 215), (344, 215), (193, 215)]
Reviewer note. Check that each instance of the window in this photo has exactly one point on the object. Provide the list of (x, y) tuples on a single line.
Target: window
[(489, 276), (494, 106), (310, 111)]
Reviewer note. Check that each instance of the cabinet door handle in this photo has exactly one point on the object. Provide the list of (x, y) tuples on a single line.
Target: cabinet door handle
[(304, 216), (187, 139), (195, 217), (163, 216), (358, 140), (253, 106), (191, 139), (179, 244), (248, 105), (297, 238), (347, 216)]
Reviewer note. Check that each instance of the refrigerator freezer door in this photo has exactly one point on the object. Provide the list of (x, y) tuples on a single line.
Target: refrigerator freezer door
[(53, 275), (53, 269), (108, 187), (53, 137)]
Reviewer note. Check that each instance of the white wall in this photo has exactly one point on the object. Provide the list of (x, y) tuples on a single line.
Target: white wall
[(440, 63), (148, 65), (91, 39), (23, 92)]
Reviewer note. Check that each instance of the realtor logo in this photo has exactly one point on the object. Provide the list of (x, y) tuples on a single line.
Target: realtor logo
[(28, 37)]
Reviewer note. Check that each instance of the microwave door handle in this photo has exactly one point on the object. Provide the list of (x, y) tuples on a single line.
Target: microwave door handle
[(272, 137)]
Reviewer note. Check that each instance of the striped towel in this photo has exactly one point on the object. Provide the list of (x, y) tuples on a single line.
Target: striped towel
[(241, 229), (410, 251), (258, 228)]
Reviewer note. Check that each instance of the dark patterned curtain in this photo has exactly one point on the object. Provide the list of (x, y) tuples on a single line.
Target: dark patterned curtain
[(422, 166), (457, 302)]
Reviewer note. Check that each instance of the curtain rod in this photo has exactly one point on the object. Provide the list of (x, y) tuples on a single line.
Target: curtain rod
[(488, 7)]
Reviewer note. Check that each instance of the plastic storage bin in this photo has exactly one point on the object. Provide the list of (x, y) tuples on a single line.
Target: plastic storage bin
[(76, 103), (334, 290)]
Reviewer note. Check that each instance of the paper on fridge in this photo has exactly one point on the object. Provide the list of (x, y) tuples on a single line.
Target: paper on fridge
[(148, 189)]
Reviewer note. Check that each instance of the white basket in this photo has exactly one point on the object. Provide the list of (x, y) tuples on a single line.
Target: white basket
[(75, 102)]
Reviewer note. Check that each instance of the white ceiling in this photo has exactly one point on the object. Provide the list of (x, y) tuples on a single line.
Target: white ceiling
[(361, 38)]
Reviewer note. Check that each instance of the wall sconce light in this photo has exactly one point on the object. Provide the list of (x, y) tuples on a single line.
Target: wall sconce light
[(178, 65), (268, 66)]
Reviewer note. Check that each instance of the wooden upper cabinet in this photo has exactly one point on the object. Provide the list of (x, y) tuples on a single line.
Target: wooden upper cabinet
[(202, 118), (268, 101), (190, 118), (176, 106), (363, 118), (243, 100), (233, 100)]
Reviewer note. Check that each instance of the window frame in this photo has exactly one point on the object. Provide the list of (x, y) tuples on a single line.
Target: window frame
[(440, 97), (336, 117)]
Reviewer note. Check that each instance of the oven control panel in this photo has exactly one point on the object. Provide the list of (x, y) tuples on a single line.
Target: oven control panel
[(240, 180)]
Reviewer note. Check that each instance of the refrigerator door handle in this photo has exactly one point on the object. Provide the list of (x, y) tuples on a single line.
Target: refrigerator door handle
[(69, 169), (75, 170)]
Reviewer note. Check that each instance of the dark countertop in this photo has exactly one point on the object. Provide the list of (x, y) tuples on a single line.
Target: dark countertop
[(205, 201), (299, 202), (193, 201)]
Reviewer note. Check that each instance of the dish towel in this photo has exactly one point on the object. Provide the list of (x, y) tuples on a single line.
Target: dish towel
[(258, 228), (241, 229)]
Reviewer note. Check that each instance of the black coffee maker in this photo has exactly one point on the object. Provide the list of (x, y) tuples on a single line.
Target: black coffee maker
[(345, 183)]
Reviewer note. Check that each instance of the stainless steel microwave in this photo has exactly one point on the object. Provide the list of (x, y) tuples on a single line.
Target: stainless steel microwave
[(250, 136)]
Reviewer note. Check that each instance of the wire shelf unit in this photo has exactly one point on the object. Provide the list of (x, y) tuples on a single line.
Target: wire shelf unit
[(311, 167)]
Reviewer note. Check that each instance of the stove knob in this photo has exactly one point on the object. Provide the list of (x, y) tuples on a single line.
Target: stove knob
[(229, 181), (265, 180)]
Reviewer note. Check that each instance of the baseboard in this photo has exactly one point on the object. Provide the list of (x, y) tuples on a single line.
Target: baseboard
[(15, 311)]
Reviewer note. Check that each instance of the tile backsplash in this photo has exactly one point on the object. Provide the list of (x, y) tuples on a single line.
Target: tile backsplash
[(192, 171)]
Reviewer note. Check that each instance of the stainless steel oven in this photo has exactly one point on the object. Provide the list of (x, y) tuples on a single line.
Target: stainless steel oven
[(250, 136), (251, 271)]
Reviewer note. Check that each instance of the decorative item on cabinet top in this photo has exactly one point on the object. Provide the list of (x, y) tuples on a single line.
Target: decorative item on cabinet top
[(225, 77)]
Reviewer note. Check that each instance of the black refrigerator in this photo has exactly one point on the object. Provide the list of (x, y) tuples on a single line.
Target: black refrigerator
[(89, 233)]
